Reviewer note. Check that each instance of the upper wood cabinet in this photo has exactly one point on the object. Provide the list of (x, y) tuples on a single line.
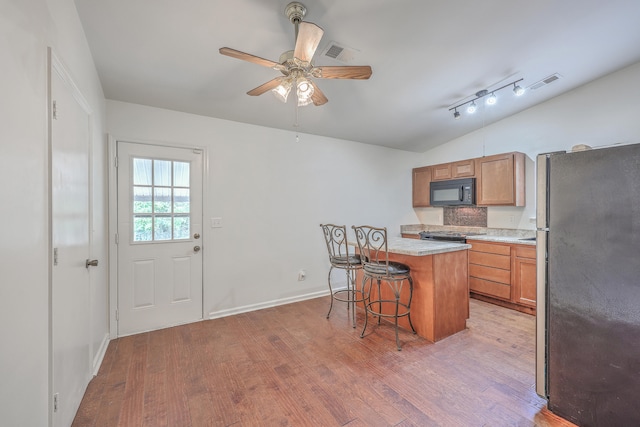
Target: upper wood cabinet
[(440, 172), (421, 184), (500, 180), (463, 169)]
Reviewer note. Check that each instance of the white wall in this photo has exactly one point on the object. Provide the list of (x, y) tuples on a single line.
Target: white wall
[(603, 112), (272, 193), (27, 27)]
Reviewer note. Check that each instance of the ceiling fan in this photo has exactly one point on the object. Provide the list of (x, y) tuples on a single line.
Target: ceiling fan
[(296, 65)]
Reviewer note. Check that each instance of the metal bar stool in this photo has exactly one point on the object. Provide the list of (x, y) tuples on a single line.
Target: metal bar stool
[(376, 267), (336, 238)]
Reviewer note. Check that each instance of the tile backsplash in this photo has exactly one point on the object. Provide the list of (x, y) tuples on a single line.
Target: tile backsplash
[(468, 216)]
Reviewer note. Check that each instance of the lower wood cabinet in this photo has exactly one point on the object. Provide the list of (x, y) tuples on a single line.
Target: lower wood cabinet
[(503, 274)]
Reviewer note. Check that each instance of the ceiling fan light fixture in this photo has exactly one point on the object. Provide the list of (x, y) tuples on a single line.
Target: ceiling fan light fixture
[(304, 89), (281, 91)]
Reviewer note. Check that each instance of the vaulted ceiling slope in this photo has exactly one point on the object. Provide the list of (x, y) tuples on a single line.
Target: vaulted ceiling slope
[(426, 56)]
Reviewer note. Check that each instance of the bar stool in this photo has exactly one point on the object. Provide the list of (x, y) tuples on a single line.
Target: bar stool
[(335, 237), (372, 243)]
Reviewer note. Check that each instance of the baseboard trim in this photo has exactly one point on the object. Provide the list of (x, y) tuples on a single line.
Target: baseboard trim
[(267, 304), (97, 360)]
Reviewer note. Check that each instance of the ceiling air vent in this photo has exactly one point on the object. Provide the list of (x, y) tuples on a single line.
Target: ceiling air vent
[(339, 52), (547, 80)]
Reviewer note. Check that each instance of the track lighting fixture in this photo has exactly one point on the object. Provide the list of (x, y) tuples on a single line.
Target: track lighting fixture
[(517, 89), (492, 99)]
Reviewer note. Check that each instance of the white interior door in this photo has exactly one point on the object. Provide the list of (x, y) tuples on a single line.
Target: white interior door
[(159, 237), (70, 322)]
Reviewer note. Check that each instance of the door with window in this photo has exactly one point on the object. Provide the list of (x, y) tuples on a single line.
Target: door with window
[(159, 237)]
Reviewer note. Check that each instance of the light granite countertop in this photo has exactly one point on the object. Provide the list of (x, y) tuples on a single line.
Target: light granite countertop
[(499, 235), (413, 247), (504, 239)]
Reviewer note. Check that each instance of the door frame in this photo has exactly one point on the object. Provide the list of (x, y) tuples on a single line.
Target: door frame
[(56, 65), (113, 218)]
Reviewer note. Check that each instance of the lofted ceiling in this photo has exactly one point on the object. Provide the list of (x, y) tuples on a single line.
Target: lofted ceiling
[(426, 56)]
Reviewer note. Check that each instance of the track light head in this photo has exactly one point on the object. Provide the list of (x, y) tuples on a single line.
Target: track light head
[(517, 89), (491, 100), (472, 107), (456, 114)]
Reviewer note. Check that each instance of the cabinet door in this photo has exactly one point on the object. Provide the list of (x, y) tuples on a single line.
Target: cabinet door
[(439, 172), (463, 169), (421, 182), (500, 180), (524, 276)]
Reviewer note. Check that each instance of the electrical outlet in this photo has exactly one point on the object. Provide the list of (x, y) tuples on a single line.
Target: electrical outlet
[(301, 275)]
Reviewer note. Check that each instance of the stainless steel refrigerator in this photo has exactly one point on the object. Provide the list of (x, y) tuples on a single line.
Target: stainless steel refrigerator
[(588, 294)]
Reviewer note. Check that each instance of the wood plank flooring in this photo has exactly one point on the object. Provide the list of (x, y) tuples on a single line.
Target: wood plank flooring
[(290, 366)]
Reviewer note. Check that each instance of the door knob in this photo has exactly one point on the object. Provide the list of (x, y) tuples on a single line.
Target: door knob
[(91, 263), (196, 248)]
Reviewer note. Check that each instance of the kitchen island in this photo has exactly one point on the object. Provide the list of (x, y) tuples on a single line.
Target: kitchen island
[(440, 304)]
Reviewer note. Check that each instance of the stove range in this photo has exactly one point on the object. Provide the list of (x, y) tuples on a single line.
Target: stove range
[(447, 236)]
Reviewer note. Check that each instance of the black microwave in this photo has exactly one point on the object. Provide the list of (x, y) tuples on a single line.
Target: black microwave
[(453, 192)]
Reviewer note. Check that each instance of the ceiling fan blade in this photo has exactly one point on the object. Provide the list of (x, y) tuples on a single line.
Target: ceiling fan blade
[(248, 57), (343, 72), (318, 97), (271, 84), (309, 35)]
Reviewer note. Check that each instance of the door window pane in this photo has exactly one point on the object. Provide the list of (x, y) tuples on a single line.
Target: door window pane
[(161, 200), (180, 174), (142, 200), (181, 200), (142, 227), (162, 228), (181, 227), (141, 171), (162, 172)]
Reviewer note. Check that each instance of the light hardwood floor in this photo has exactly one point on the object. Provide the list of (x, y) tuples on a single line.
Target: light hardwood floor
[(290, 366)]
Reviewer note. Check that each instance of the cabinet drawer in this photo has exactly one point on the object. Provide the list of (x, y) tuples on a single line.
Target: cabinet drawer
[(490, 248), (490, 260), (490, 273), (498, 290), (525, 252)]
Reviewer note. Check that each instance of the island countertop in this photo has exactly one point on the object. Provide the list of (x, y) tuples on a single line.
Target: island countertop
[(414, 247)]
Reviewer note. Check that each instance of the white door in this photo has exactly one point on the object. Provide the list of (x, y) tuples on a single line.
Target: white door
[(159, 237), (70, 332)]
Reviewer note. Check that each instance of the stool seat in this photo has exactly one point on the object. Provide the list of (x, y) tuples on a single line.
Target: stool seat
[(345, 260), (393, 268)]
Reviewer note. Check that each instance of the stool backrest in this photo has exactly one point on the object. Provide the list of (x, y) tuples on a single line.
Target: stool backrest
[(372, 243), (336, 238)]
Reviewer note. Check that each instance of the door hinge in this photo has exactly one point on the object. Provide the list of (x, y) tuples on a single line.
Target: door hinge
[(55, 256), (54, 110), (117, 238), (115, 162), (117, 316), (55, 402)]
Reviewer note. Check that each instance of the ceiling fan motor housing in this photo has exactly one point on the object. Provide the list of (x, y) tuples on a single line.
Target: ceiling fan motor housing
[(295, 11)]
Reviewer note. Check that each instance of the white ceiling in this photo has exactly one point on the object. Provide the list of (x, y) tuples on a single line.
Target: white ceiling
[(426, 56)]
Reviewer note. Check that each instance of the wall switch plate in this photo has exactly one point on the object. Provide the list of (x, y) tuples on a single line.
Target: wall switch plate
[(216, 222), (301, 275)]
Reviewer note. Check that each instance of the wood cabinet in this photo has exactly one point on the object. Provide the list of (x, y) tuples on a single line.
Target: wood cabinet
[(523, 268), (503, 274), (421, 182), (490, 270), (500, 180)]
